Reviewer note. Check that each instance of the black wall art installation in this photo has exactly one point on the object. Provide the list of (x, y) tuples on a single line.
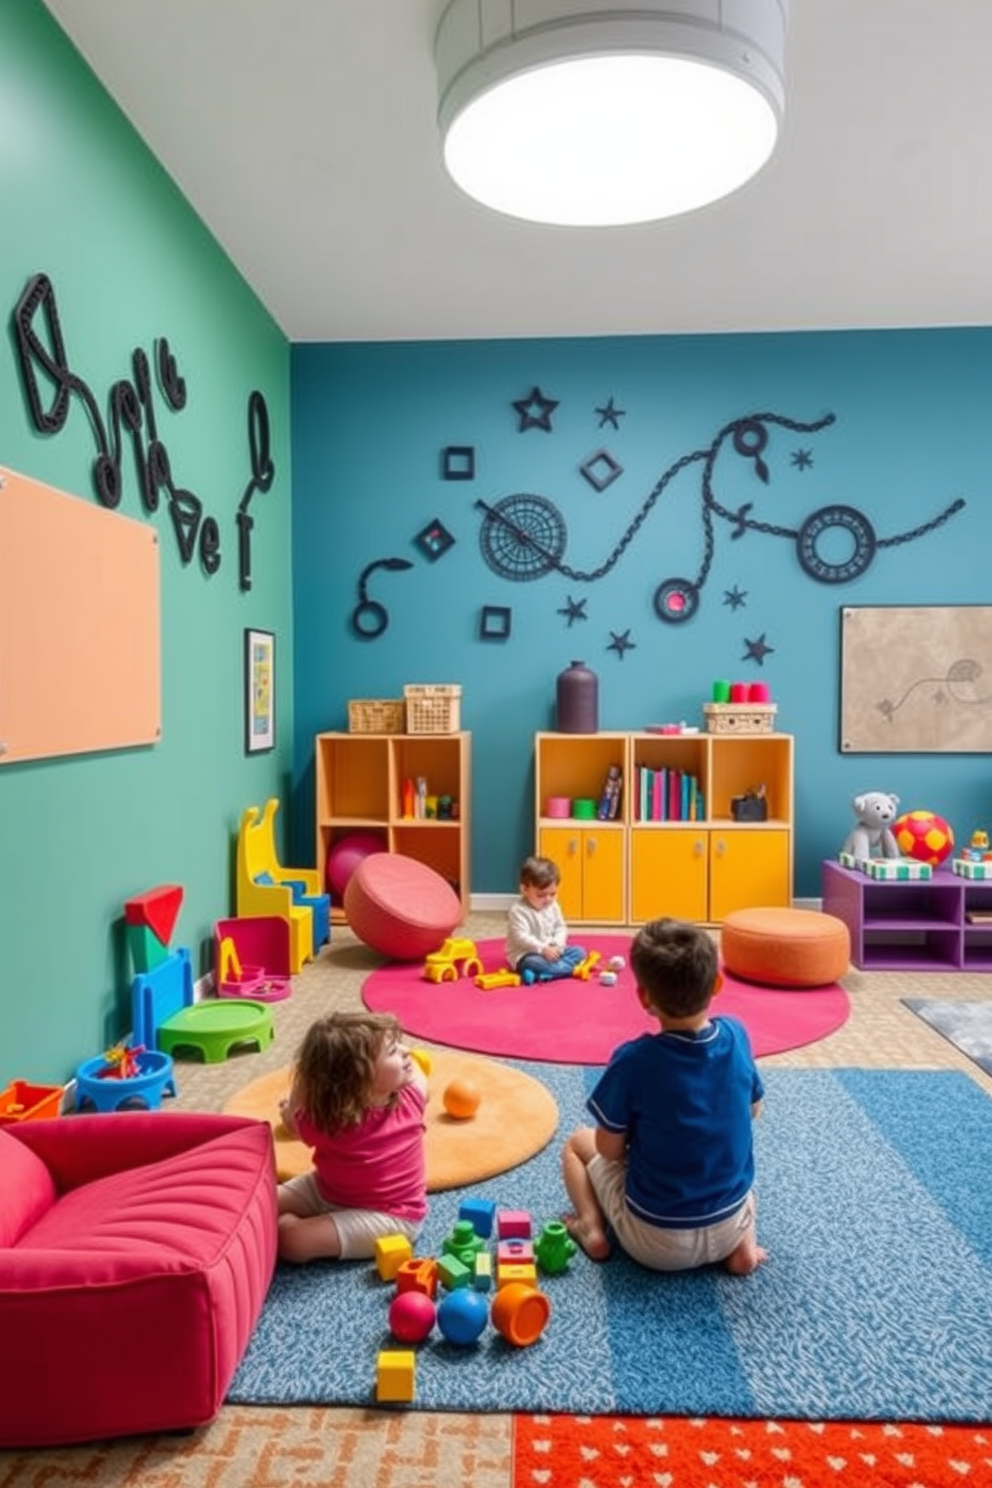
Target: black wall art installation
[(41, 351)]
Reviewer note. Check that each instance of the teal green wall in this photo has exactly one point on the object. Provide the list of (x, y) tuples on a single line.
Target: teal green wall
[(85, 203), (910, 436)]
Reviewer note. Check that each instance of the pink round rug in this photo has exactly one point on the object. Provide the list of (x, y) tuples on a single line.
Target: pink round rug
[(577, 1022)]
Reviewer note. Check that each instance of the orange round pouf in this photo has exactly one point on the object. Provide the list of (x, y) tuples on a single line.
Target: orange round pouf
[(400, 907), (785, 947)]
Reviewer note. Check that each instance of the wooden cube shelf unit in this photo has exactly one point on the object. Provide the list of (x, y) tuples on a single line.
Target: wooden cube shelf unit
[(912, 925), (359, 788), (696, 864)]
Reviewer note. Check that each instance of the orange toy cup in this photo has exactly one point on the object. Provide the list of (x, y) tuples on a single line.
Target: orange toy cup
[(520, 1313)]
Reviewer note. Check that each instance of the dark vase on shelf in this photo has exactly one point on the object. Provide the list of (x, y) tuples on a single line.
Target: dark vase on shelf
[(578, 700)]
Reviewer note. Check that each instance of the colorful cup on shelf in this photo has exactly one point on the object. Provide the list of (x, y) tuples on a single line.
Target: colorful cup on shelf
[(740, 692), (558, 806), (584, 809), (721, 692), (759, 692)]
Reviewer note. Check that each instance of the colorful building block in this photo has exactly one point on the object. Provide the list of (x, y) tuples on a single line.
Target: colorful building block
[(463, 1242), (481, 1212), (554, 1248), (513, 1224), (453, 1273), (158, 909), (390, 1253), (482, 1272), (518, 1252), (508, 1271), (396, 1375), (419, 1274)]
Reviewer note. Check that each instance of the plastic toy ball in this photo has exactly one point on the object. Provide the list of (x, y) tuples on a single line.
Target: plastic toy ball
[(411, 1316), (924, 836), (462, 1315), (461, 1099)]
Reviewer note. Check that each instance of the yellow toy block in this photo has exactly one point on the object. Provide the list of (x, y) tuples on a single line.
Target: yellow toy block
[(582, 971), (396, 1375), (507, 1271), (390, 1253), (482, 1271), (491, 980)]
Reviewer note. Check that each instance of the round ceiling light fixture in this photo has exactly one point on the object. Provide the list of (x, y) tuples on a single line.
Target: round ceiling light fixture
[(599, 113)]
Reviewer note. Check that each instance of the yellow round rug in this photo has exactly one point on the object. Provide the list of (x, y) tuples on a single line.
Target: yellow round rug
[(516, 1117)]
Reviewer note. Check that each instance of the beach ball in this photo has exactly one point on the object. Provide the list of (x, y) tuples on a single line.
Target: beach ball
[(923, 835), (346, 854), (461, 1099)]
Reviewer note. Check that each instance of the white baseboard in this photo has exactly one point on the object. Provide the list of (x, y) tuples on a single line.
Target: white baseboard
[(492, 901), (503, 902)]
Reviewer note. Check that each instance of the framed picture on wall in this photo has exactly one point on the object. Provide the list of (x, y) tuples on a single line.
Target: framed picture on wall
[(916, 679), (260, 691)]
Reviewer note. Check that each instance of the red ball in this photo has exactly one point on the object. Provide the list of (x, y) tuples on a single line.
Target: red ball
[(411, 1316), (924, 836), (346, 854)]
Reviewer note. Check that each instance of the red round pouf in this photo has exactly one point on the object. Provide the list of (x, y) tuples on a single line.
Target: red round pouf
[(400, 907)]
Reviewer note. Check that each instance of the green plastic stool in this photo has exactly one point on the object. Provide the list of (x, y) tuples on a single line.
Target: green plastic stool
[(215, 1027), (166, 1017)]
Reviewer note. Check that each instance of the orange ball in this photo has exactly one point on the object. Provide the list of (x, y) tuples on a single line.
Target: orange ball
[(461, 1099)]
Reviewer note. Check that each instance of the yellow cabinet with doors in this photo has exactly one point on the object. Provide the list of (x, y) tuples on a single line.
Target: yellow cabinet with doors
[(591, 860), (683, 850)]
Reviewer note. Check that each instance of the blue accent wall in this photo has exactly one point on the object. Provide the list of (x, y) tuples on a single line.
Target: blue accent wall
[(909, 437)]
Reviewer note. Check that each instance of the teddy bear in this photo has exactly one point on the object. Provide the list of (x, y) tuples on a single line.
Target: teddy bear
[(872, 837)]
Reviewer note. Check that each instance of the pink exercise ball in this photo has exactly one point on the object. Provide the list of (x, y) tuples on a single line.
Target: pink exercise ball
[(346, 854)]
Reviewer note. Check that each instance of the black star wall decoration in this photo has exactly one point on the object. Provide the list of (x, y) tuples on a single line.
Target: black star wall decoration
[(574, 609), (535, 411), (610, 414), (757, 650), (735, 597), (801, 458), (621, 643)]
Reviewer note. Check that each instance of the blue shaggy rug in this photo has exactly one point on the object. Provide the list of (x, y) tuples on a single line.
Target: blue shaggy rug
[(874, 1201)]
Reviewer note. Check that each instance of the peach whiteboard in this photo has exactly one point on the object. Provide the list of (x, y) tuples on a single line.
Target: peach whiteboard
[(80, 625)]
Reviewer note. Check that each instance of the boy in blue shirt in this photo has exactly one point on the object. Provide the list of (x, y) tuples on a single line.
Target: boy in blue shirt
[(670, 1163)]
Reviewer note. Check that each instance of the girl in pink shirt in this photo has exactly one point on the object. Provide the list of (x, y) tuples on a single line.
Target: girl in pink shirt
[(357, 1099)]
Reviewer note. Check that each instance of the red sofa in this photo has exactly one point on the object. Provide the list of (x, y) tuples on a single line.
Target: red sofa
[(136, 1249)]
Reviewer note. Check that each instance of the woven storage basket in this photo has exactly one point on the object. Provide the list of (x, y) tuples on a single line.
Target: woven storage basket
[(376, 716), (433, 708), (740, 718)]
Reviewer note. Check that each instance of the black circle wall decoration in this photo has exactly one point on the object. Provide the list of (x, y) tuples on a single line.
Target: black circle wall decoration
[(522, 537), (676, 600), (845, 519)]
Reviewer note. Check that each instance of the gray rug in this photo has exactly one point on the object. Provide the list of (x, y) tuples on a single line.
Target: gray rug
[(966, 1025), (874, 1201)]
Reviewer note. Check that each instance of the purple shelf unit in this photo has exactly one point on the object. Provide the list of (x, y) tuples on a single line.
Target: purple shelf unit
[(911, 926)]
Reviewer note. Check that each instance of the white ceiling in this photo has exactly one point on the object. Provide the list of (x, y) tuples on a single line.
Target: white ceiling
[(303, 133)]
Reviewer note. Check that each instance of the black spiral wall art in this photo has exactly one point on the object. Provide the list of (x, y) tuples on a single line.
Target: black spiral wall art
[(523, 536), (41, 351)]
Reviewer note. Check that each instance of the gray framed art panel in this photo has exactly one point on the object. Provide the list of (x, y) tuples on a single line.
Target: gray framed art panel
[(916, 679)]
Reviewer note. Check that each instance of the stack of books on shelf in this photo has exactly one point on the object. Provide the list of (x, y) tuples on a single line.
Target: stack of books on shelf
[(667, 794)]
